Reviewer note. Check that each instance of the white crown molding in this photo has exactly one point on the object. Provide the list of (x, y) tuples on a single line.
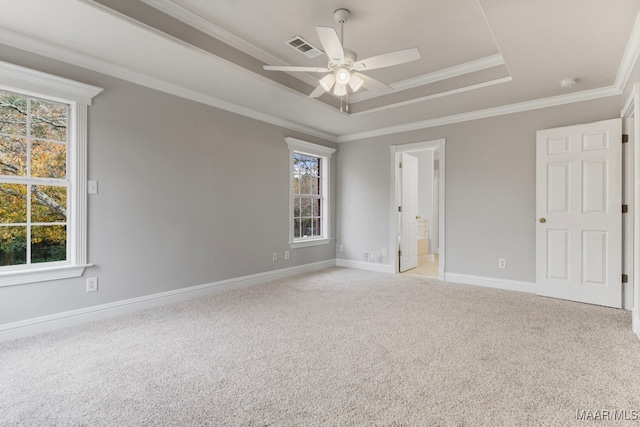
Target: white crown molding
[(436, 76), (23, 328), (490, 282), (190, 18), (433, 96), (53, 51), (488, 112), (629, 57)]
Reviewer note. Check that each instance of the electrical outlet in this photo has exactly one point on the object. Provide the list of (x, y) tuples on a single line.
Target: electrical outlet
[(502, 263), (92, 284), (341, 248), (286, 254), (384, 252), (275, 256)]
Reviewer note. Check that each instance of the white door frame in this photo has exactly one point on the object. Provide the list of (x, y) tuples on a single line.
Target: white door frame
[(438, 144), (632, 109)]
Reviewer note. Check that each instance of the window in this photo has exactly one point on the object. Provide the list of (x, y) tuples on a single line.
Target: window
[(309, 193), (42, 175)]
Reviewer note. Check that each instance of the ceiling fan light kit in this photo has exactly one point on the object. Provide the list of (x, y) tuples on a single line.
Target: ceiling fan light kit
[(343, 64)]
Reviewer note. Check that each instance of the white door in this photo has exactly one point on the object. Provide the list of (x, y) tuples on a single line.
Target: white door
[(409, 212), (578, 207)]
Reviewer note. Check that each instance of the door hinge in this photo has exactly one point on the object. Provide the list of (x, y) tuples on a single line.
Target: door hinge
[(625, 138), (399, 208), (400, 165), (625, 278), (399, 252), (625, 208)]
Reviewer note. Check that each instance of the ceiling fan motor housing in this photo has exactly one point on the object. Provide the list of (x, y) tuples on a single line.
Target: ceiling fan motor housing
[(350, 58)]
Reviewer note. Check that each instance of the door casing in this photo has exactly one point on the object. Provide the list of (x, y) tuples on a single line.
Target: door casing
[(438, 144), (631, 111)]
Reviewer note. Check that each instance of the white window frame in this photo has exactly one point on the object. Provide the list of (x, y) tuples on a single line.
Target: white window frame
[(304, 147), (78, 96)]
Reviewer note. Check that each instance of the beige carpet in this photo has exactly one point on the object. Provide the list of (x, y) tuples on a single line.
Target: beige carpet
[(337, 347)]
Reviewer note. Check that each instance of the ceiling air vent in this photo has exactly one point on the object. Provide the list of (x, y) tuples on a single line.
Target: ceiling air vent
[(301, 45)]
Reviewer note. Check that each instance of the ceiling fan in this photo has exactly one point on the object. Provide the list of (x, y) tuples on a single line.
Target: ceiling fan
[(343, 66)]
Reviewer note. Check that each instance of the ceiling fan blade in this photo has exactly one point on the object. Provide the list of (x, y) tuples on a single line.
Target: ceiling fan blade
[(294, 68), (317, 92), (374, 85), (388, 59), (331, 43)]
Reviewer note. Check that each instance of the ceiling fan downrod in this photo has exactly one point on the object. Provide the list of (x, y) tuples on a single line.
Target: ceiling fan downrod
[(341, 16)]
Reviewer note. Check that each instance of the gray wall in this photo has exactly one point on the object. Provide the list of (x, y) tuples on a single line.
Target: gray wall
[(490, 188), (189, 195)]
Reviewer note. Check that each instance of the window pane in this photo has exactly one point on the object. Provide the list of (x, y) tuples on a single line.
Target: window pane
[(13, 245), (48, 203), (296, 208), (315, 186), (305, 184), (13, 156), (316, 227), (13, 203), (296, 228), (316, 208), (48, 120), (48, 243), (305, 207), (13, 114), (305, 225), (48, 159), (296, 184)]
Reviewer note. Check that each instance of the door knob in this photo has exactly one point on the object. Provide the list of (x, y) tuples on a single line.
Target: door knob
[(542, 220)]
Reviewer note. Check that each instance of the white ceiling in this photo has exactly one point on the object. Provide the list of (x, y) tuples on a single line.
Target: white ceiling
[(479, 57)]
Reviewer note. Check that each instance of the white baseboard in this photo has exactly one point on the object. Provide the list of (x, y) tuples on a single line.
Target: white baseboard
[(380, 268), (23, 328), (490, 282)]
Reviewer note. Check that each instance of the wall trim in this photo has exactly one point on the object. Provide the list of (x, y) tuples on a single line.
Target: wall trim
[(629, 57), (361, 265), (519, 107), (490, 282), (23, 328)]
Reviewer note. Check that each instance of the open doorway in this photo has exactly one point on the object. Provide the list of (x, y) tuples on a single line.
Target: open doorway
[(417, 204)]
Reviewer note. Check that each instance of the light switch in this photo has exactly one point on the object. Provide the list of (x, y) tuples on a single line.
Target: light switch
[(92, 187)]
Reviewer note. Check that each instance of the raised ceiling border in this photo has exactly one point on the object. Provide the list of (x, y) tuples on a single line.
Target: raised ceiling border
[(70, 56), (629, 58), (169, 7), (436, 76), (186, 16), (50, 50)]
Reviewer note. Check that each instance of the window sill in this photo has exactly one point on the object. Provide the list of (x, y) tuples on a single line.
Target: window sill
[(22, 277), (310, 242)]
